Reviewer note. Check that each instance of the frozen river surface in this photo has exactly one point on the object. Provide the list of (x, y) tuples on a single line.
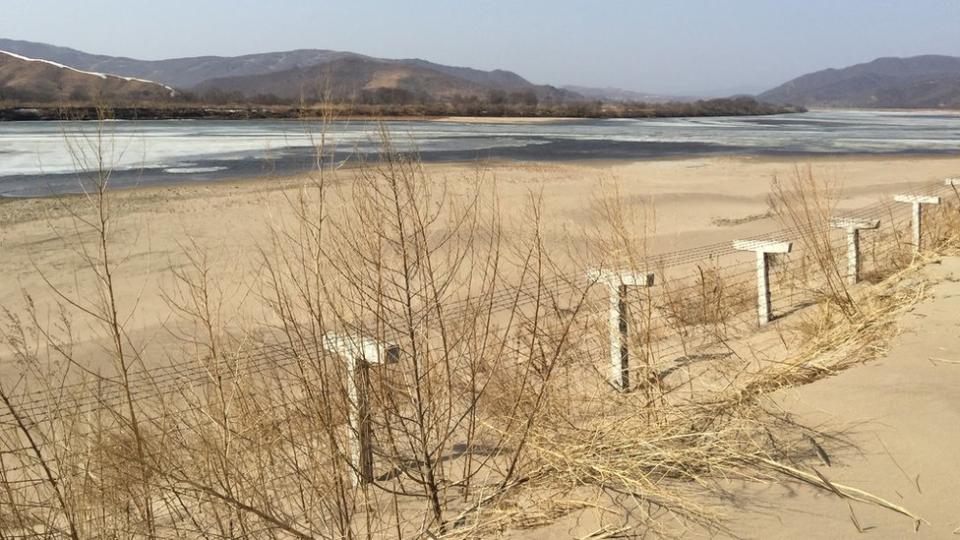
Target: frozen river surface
[(38, 158)]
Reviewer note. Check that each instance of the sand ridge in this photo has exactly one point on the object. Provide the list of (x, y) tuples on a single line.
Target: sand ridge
[(895, 421)]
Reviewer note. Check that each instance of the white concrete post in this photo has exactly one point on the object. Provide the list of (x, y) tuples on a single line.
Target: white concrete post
[(853, 227), (763, 248), (917, 201), (617, 282), (360, 353)]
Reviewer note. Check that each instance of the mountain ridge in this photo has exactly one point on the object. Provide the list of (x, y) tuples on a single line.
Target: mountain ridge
[(36, 79), (285, 84), (924, 81), (371, 80), (189, 73)]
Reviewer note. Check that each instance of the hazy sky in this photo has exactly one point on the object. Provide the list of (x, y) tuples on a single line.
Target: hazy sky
[(678, 46)]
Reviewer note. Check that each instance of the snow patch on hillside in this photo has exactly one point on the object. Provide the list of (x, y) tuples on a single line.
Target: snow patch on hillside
[(94, 73)]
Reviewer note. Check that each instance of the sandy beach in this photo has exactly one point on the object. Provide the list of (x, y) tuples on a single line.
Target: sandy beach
[(892, 432), (682, 204)]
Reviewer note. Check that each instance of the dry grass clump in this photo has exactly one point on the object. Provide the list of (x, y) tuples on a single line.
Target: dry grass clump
[(941, 223), (884, 257), (711, 301), (834, 342)]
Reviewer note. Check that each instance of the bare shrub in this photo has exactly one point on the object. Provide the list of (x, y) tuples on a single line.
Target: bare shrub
[(806, 205)]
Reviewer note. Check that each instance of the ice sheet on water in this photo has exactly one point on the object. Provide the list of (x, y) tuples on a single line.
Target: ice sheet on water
[(35, 148)]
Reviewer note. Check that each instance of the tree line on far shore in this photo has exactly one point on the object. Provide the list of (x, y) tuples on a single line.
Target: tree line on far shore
[(380, 102)]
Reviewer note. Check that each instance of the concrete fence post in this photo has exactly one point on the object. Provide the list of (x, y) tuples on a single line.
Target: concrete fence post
[(360, 353), (763, 248), (617, 283), (853, 227), (917, 201)]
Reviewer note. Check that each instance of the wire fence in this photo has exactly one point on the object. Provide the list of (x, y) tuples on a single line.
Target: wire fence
[(676, 273)]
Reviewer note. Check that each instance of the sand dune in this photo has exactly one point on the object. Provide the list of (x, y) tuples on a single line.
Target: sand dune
[(894, 423)]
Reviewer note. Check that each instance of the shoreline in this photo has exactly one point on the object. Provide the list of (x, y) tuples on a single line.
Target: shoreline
[(46, 113), (185, 180), (268, 182)]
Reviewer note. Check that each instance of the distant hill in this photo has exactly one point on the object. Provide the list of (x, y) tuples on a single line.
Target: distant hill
[(181, 73), (287, 74), (619, 95), (34, 80), (929, 81), (370, 80)]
